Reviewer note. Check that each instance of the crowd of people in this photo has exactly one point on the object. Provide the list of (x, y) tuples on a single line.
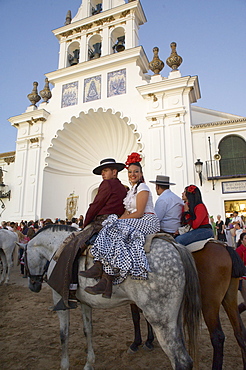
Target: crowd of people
[(27, 229), (117, 222), (230, 230)]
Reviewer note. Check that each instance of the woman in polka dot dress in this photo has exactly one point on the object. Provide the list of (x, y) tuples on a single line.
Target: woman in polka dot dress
[(119, 248)]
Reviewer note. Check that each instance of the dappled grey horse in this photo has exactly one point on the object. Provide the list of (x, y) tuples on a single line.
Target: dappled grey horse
[(168, 299), (8, 241)]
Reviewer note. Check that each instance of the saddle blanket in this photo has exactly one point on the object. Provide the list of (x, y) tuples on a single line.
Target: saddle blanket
[(193, 247)]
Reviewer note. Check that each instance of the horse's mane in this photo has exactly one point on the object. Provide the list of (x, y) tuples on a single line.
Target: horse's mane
[(56, 227)]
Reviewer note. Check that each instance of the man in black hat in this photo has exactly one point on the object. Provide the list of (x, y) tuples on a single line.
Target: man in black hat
[(109, 200), (111, 192), (168, 206)]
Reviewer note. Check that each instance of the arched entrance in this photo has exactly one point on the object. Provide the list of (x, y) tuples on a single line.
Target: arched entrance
[(90, 137)]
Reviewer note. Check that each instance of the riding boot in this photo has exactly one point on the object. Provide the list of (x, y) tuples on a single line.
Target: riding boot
[(241, 307), (104, 286), (94, 272)]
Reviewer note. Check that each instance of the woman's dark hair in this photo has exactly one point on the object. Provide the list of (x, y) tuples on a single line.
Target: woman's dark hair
[(194, 197), (142, 178), (240, 241), (227, 221)]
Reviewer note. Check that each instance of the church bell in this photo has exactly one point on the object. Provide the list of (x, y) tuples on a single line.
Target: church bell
[(119, 46)]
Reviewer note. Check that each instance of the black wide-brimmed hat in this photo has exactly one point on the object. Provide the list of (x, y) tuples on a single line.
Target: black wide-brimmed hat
[(162, 180), (108, 162)]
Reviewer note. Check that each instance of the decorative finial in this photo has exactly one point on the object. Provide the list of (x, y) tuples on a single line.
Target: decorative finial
[(68, 17), (156, 65), (33, 96), (174, 60), (46, 93)]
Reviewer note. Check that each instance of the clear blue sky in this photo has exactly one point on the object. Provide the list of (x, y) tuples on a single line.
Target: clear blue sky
[(210, 35)]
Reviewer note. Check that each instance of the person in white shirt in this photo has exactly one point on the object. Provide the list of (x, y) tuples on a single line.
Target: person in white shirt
[(168, 206), (74, 223), (236, 219)]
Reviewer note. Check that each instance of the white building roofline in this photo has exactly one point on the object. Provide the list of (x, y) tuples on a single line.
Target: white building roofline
[(212, 112), (219, 123)]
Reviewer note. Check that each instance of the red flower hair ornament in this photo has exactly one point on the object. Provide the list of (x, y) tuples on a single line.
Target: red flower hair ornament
[(133, 158), (191, 189)]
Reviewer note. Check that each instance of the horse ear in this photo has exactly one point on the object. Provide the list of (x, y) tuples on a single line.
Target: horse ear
[(20, 245)]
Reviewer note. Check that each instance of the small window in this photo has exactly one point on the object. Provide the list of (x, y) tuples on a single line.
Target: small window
[(232, 150)]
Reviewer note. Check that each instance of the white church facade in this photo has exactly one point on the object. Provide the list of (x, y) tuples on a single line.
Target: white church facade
[(106, 104)]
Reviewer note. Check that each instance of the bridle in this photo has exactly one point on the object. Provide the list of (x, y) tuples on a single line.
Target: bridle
[(34, 278)]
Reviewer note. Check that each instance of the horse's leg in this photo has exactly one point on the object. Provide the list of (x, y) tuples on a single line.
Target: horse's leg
[(170, 338), (217, 336), (211, 302), (64, 320), (231, 308), (214, 270), (9, 265), (168, 327), (242, 306), (87, 321), (149, 342), (137, 331), (3, 266)]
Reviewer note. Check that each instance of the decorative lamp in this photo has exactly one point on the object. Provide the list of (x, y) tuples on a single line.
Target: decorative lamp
[(198, 167)]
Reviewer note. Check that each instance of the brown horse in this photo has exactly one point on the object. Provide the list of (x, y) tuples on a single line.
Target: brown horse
[(214, 266)]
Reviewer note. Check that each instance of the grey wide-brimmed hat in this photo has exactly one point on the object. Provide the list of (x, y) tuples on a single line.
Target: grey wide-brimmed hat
[(108, 162), (162, 180)]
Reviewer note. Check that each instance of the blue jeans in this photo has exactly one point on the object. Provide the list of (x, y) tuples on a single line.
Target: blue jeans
[(195, 235)]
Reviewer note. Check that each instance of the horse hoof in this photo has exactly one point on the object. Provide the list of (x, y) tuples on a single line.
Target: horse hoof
[(132, 349), (148, 346), (88, 367)]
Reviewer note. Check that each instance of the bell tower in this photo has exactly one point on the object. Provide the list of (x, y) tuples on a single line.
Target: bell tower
[(100, 28)]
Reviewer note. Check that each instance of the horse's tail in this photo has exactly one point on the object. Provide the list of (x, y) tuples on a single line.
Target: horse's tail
[(238, 268), (191, 300)]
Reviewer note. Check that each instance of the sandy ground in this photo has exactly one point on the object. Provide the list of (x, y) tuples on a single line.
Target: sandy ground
[(29, 336)]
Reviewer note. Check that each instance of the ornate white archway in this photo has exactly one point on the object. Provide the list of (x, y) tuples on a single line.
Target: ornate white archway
[(89, 138)]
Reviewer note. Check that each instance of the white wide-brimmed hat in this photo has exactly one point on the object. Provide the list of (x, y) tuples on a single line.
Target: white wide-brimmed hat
[(162, 180), (108, 162)]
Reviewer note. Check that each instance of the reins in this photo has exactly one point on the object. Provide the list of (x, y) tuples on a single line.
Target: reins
[(40, 278), (34, 278)]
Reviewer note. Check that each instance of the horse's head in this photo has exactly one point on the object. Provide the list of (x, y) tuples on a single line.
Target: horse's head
[(35, 265), (39, 251)]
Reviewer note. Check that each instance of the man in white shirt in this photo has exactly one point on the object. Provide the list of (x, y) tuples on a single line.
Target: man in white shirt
[(168, 206), (74, 223), (236, 219)]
